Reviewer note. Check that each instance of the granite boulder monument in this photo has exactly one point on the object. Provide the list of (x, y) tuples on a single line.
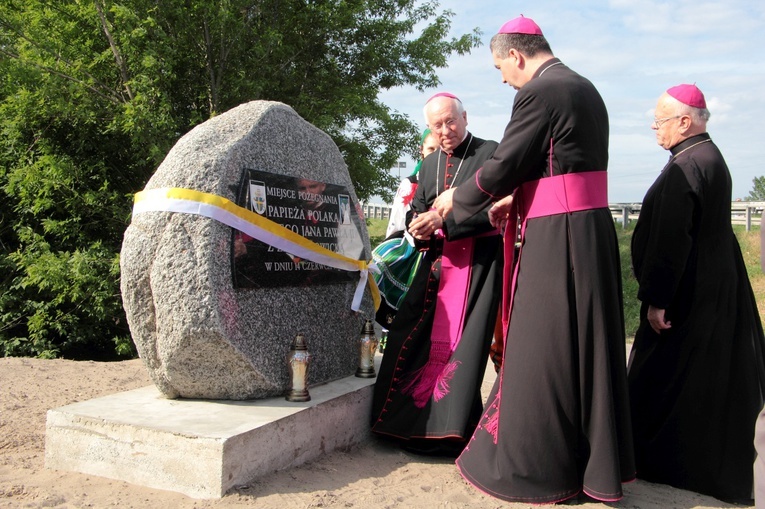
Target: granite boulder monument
[(248, 233)]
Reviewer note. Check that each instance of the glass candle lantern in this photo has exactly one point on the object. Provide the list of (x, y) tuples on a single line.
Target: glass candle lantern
[(298, 361), (367, 347)]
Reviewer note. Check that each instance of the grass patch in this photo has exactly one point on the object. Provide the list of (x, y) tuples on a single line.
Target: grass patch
[(750, 249), (376, 229), (629, 283)]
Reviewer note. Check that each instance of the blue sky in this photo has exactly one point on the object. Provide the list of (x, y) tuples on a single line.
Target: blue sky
[(632, 50)]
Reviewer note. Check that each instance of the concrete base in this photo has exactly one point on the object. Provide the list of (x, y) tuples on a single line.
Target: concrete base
[(204, 448)]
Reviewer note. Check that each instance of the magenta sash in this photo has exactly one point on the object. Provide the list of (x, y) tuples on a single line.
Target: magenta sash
[(571, 192)]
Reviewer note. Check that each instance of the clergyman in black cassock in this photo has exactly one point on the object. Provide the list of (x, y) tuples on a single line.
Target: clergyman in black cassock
[(427, 392), (697, 369), (557, 420)]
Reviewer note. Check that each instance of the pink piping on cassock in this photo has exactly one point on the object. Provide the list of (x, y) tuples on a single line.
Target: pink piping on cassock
[(478, 183), (501, 496)]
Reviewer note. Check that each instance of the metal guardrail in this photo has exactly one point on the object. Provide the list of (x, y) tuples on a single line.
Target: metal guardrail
[(741, 212), (744, 212), (625, 212)]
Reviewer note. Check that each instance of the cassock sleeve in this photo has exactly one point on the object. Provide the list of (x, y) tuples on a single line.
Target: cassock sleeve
[(517, 159), (474, 225), (669, 241)]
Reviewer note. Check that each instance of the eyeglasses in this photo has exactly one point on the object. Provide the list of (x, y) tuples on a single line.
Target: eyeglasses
[(449, 124), (658, 122)]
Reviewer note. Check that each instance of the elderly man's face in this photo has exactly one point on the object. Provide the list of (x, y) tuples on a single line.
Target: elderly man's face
[(667, 123), (446, 122)]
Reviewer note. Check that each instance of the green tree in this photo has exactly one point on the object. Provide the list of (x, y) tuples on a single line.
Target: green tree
[(94, 94), (758, 190)]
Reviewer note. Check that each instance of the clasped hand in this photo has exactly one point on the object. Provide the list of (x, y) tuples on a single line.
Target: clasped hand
[(443, 203), (500, 212), (423, 225)]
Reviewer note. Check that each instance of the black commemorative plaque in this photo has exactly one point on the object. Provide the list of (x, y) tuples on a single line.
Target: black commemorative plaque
[(320, 212)]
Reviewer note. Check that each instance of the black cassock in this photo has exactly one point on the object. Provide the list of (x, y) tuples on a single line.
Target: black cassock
[(697, 388), (424, 390), (562, 422)]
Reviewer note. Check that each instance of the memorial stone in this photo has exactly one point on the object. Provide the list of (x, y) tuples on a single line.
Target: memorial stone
[(211, 309)]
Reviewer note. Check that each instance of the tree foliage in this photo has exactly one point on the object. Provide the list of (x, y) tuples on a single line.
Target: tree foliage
[(758, 190), (94, 94)]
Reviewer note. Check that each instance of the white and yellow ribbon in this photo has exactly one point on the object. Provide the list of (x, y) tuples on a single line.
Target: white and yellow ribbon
[(189, 201)]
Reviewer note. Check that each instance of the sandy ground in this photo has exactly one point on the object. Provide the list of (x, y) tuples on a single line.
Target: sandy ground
[(372, 475)]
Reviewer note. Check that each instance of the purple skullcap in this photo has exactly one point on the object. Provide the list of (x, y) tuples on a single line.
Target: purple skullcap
[(688, 94), (443, 94), (521, 25)]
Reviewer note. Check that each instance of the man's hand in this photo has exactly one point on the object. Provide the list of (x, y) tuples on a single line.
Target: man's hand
[(657, 320), (443, 203), (500, 212), (423, 225)]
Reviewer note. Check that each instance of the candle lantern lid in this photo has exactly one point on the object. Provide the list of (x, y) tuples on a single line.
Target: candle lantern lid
[(299, 343)]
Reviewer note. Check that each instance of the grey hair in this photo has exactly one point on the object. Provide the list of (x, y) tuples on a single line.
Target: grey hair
[(701, 114), (456, 102), (698, 115)]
